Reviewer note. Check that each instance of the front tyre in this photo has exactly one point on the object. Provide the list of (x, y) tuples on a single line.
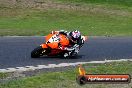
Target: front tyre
[(37, 52)]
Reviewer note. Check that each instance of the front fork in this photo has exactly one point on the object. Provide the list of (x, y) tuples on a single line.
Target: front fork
[(46, 49), (44, 46)]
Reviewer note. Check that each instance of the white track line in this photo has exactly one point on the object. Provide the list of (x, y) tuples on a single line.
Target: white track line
[(29, 68)]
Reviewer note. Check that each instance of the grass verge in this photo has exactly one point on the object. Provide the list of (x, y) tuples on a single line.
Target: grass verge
[(66, 79), (3, 75), (93, 20), (113, 3)]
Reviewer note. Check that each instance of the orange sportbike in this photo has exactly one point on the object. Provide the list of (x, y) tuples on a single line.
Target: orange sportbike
[(53, 46)]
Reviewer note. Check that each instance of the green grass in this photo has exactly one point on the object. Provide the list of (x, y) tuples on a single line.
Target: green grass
[(3, 75), (96, 20), (66, 79), (37, 22), (125, 3), (109, 4)]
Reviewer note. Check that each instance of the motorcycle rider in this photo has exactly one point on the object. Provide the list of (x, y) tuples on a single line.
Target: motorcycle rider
[(75, 39)]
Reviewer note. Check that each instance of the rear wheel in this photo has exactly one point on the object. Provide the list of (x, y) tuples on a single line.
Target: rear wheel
[(37, 52)]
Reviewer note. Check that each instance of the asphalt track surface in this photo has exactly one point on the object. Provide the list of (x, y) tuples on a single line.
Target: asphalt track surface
[(15, 51)]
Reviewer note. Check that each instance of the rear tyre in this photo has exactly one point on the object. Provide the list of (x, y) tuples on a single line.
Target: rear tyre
[(37, 52)]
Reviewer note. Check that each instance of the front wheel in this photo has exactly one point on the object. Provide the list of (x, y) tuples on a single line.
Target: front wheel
[(36, 53)]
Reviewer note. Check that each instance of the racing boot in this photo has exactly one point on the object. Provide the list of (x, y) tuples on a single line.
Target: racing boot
[(66, 55), (69, 53)]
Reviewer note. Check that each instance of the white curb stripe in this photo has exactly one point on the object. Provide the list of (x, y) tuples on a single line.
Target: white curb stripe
[(29, 68)]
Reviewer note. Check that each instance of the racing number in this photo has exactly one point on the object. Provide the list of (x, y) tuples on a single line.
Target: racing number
[(54, 38)]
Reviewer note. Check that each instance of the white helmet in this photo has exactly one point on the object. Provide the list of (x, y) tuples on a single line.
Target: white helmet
[(75, 35)]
